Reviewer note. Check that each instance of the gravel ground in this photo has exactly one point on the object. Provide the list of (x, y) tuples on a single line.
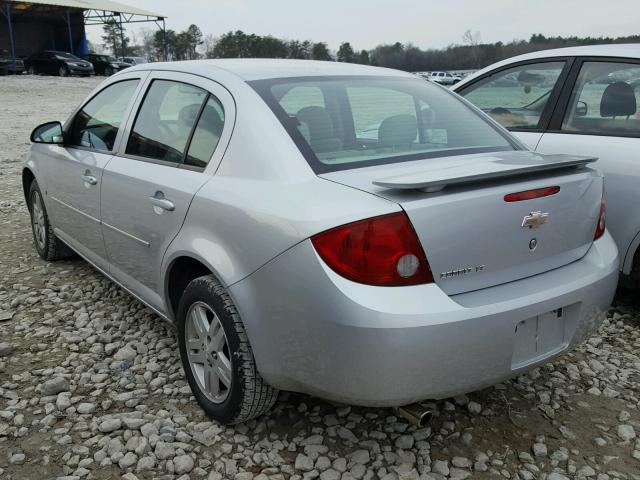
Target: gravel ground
[(91, 384)]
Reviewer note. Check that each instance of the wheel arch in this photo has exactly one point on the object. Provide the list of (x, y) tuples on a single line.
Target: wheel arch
[(27, 179), (632, 257), (180, 270)]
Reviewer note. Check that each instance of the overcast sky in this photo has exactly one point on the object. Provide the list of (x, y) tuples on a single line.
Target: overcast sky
[(425, 23)]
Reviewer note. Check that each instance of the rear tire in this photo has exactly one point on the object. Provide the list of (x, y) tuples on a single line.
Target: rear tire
[(216, 355), (635, 275), (32, 70), (48, 246)]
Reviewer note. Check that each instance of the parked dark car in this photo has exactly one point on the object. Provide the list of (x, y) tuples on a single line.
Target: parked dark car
[(57, 63), (7, 64), (134, 60), (105, 64)]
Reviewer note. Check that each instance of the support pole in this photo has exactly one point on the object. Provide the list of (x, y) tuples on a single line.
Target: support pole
[(11, 40), (123, 53), (69, 32), (164, 41)]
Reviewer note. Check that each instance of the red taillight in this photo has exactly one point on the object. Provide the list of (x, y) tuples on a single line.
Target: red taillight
[(600, 227), (383, 251), (531, 194)]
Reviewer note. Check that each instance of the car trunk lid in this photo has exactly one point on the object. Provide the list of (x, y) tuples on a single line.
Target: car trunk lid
[(473, 238)]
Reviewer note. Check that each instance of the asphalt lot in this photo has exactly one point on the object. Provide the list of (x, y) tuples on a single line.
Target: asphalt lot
[(91, 385)]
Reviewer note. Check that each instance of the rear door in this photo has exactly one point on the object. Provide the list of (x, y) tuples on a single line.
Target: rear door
[(173, 143), (598, 114), (74, 174), (520, 96)]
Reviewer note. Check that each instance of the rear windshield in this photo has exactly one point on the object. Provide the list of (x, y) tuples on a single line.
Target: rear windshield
[(348, 122)]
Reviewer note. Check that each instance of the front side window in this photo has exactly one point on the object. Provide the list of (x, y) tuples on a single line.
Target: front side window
[(177, 123), (516, 97), (348, 122), (605, 100), (96, 125)]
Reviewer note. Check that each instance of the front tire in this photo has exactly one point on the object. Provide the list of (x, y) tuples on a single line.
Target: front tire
[(48, 246), (108, 71), (63, 71), (216, 355), (32, 70)]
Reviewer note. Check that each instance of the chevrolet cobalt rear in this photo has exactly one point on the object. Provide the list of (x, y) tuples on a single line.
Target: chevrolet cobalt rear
[(349, 232)]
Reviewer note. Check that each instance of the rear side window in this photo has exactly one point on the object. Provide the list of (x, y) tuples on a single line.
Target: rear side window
[(605, 100), (348, 122), (207, 134), (516, 97), (165, 120), (97, 123)]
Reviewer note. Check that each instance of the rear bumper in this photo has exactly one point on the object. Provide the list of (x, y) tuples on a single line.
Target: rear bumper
[(315, 332)]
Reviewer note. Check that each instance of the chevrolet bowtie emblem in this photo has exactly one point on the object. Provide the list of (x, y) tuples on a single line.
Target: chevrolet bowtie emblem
[(535, 219)]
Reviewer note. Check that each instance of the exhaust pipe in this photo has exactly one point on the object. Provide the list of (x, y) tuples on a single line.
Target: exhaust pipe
[(416, 414)]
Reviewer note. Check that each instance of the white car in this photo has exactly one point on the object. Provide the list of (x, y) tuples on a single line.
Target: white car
[(444, 78), (579, 100)]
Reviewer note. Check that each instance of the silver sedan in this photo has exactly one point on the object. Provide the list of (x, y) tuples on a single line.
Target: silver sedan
[(350, 232)]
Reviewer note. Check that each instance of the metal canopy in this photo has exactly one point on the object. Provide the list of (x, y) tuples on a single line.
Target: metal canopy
[(95, 12), (103, 5)]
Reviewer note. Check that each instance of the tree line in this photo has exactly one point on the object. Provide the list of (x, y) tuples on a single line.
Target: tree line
[(470, 54)]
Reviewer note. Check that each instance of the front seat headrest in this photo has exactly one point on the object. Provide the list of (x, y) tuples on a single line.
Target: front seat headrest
[(211, 120), (396, 131), (618, 99), (187, 115)]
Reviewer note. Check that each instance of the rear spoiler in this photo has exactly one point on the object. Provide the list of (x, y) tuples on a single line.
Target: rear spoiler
[(489, 168)]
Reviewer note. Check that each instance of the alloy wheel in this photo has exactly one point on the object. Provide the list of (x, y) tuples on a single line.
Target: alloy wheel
[(208, 352), (38, 220)]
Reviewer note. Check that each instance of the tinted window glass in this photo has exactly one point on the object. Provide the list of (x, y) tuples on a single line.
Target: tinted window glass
[(368, 116), (365, 120), (605, 100), (516, 97), (165, 120), (207, 134), (97, 124)]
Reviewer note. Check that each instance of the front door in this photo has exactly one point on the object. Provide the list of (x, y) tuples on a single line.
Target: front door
[(74, 175), (148, 187), (601, 117)]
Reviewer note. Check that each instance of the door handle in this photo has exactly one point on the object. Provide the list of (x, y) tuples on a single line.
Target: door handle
[(90, 179), (163, 203)]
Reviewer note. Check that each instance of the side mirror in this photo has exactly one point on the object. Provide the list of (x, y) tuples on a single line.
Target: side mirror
[(50, 132), (581, 109)]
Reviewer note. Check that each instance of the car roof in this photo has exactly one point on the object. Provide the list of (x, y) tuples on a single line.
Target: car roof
[(618, 50), (609, 50), (250, 69)]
